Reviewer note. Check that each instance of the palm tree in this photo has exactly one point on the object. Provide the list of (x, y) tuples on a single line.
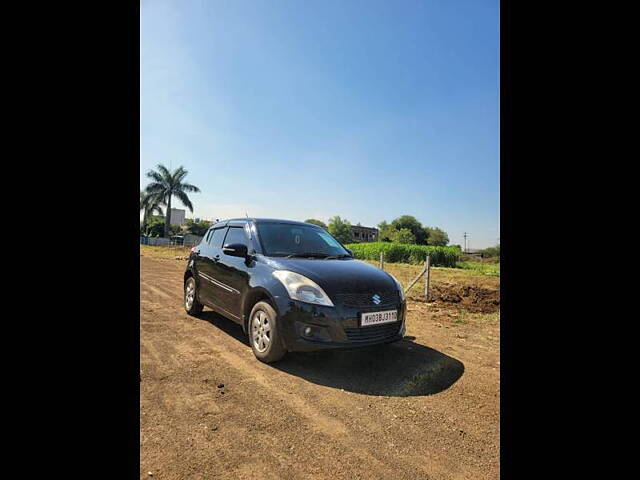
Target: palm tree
[(149, 204), (165, 185)]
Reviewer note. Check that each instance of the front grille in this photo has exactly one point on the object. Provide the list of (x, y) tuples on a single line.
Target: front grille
[(389, 298), (374, 333)]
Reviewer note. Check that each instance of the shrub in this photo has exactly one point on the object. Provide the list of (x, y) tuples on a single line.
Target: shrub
[(404, 235), (491, 251), (155, 227), (400, 253), (436, 236)]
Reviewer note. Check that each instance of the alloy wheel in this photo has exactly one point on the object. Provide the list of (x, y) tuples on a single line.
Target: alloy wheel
[(189, 293), (261, 331)]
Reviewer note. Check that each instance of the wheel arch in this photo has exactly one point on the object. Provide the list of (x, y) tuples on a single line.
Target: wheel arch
[(252, 297), (190, 274)]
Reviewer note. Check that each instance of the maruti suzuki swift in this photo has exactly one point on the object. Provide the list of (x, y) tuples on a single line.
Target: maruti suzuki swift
[(292, 287)]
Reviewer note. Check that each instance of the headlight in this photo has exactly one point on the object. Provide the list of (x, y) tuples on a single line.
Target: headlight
[(402, 296), (301, 288)]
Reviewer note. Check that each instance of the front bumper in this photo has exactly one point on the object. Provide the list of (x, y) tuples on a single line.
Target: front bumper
[(335, 327)]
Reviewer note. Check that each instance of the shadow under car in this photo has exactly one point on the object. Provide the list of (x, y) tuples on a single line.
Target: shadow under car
[(398, 369)]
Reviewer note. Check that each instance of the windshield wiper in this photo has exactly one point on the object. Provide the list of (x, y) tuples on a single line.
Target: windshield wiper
[(308, 254), (342, 255)]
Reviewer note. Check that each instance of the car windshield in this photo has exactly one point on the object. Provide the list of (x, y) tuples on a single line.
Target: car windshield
[(285, 239)]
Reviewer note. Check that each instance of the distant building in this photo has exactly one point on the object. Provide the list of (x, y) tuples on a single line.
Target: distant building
[(364, 234), (177, 216)]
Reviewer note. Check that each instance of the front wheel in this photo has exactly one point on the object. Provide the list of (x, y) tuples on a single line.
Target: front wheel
[(191, 303), (263, 333)]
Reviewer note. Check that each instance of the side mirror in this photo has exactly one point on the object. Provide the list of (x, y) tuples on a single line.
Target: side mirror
[(235, 250)]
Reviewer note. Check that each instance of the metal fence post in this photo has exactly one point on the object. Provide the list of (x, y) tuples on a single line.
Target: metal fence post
[(427, 277), (381, 260)]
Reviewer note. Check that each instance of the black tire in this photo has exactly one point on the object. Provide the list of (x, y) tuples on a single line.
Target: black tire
[(193, 307), (268, 352)]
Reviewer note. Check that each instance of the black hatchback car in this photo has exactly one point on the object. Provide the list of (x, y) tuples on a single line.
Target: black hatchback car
[(292, 287)]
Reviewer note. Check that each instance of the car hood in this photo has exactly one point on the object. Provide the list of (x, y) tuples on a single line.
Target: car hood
[(339, 275)]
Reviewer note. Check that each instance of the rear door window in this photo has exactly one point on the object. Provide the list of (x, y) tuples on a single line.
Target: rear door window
[(216, 237)]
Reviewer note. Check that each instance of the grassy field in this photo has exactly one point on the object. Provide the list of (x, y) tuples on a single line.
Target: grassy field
[(482, 268)]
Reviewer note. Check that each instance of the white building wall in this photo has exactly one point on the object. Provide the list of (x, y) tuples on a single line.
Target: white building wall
[(177, 216)]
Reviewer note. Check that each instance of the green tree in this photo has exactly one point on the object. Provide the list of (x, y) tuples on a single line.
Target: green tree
[(166, 184), (199, 228), (149, 204), (341, 229), (410, 222), (436, 236), (385, 232), (404, 235), (313, 221), (155, 227)]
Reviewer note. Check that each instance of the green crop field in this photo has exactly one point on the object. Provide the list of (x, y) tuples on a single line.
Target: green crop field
[(403, 253)]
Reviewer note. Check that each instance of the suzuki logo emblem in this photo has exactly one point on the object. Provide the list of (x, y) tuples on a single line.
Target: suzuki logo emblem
[(376, 299)]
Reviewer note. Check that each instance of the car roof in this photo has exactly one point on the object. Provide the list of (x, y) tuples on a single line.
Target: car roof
[(242, 221)]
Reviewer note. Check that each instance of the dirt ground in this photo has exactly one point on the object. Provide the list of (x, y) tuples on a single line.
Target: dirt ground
[(423, 408)]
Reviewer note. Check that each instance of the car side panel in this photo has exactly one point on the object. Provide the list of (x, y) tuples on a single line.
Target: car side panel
[(234, 273), (201, 265)]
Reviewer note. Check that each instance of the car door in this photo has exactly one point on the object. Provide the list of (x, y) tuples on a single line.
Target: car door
[(233, 272), (197, 264), (206, 264)]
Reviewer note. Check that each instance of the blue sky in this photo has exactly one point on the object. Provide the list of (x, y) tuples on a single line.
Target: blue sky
[(309, 109)]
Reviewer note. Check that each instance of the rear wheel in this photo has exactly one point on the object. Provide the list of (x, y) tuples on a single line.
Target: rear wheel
[(191, 303), (263, 333)]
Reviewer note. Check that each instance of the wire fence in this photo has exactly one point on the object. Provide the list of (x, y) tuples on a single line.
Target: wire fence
[(177, 241), (426, 272)]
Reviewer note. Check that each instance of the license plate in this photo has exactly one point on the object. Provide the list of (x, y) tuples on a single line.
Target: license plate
[(376, 318)]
